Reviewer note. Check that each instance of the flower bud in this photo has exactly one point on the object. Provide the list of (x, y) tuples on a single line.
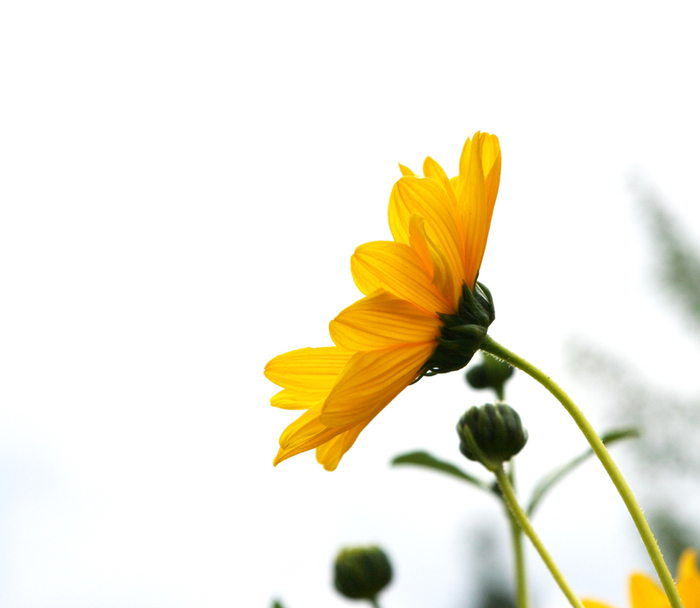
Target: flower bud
[(491, 434), (490, 373), (362, 572)]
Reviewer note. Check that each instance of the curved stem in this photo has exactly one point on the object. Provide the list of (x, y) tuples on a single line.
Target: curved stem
[(524, 523), (491, 346)]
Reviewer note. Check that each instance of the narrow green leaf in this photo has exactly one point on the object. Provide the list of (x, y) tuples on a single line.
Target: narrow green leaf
[(423, 459), (550, 480), (615, 435)]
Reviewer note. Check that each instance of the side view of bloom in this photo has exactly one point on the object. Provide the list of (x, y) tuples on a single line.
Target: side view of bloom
[(645, 593), (422, 313)]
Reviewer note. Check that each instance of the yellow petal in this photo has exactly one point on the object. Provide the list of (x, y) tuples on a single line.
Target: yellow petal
[(491, 160), (472, 210), (382, 320), (330, 453), (405, 170), (397, 268), (289, 399), (305, 433), (418, 241), (645, 593), (428, 198), (308, 368), (687, 566), (594, 604), (465, 158), (481, 191), (371, 380), (688, 577), (434, 170), (432, 258)]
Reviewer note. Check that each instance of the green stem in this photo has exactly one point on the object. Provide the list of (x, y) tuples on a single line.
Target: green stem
[(520, 580), (494, 348), (524, 523), (516, 533), (374, 602)]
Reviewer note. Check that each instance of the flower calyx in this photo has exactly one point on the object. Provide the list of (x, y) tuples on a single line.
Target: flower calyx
[(461, 335), (491, 434)]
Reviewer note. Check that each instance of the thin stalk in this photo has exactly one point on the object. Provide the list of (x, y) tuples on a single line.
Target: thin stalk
[(496, 349), (524, 523), (516, 534)]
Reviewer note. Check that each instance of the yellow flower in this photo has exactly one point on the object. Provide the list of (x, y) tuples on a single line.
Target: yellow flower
[(645, 593), (422, 306)]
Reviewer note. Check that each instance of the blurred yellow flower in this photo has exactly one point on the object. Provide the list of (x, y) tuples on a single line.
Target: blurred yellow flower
[(422, 305), (645, 593)]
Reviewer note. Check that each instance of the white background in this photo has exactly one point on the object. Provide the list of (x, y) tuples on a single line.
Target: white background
[(181, 187)]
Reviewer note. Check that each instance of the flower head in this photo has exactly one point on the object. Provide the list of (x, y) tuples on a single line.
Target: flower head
[(645, 593), (423, 311)]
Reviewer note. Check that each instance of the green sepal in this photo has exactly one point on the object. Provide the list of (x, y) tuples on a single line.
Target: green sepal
[(477, 305), (450, 320), (474, 331), (551, 479)]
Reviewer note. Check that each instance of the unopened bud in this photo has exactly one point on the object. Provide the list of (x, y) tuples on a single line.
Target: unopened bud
[(362, 572), (490, 373), (491, 434)]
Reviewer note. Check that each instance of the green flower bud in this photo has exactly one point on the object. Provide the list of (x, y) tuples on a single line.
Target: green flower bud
[(490, 373), (362, 572), (491, 434)]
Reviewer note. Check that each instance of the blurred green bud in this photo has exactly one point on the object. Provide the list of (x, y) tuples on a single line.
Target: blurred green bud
[(491, 434), (362, 572), (490, 373)]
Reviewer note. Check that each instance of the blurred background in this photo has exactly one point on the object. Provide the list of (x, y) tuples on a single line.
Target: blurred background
[(181, 187)]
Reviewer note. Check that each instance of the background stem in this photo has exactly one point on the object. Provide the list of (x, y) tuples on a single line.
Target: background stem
[(520, 579), (516, 534)]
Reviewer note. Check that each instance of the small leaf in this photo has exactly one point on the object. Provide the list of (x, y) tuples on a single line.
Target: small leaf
[(612, 436), (423, 459), (548, 481)]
